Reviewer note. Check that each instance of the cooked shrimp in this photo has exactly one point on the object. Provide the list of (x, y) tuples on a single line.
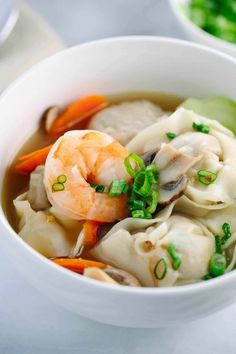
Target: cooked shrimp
[(82, 157)]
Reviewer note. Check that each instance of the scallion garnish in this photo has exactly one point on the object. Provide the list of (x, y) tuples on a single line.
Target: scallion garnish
[(206, 176), (61, 179), (141, 184), (138, 214), (98, 187), (135, 204), (217, 265), (160, 269), (138, 163), (152, 173), (117, 187), (175, 256), (126, 189), (58, 187), (218, 244), (142, 191), (201, 128), (170, 135), (141, 214), (227, 233), (152, 201)]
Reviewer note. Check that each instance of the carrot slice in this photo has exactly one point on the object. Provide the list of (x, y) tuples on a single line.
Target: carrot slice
[(91, 232), (30, 161), (77, 265), (76, 113)]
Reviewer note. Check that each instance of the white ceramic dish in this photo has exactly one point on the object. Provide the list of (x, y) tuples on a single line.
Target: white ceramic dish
[(113, 66), (196, 34)]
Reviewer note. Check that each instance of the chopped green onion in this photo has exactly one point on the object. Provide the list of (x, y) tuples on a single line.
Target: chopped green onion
[(58, 187), (98, 187), (61, 179), (227, 233), (141, 214), (117, 187), (126, 189), (152, 173), (147, 215), (201, 128), (160, 269), (138, 214), (206, 176), (141, 184), (218, 244), (152, 200), (138, 162), (175, 256), (135, 204), (217, 265), (170, 135)]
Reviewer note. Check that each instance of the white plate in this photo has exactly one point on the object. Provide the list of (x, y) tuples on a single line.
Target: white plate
[(8, 18)]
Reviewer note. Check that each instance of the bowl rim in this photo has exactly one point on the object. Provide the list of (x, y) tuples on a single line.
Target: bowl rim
[(199, 31), (149, 291)]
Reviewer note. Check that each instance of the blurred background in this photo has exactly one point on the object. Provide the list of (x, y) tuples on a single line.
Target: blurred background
[(78, 21), (39, 28)]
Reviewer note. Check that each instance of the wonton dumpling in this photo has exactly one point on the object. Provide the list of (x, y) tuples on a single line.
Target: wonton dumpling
[(138, 251), (42, 231), (125, 120), (37, 195), (214, 151)]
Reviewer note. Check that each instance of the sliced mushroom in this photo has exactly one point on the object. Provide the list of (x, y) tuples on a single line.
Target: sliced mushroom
[(50, 116), (104, 229), (112, 275), (122, 277), (172, 163), (149, 156), (172, 191)]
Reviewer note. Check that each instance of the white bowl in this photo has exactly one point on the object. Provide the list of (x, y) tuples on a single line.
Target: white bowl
[(113, 66), (196, 34)]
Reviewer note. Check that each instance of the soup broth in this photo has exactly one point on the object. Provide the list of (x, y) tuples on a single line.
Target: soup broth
[(15, 184)]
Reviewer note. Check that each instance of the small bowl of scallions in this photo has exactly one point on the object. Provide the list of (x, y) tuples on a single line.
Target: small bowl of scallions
[(210, 22)]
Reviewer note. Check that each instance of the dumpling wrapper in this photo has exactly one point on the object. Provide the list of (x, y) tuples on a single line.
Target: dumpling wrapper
[(37, 195), (216, 151), (123, 121), (42, 231), (127, 246)]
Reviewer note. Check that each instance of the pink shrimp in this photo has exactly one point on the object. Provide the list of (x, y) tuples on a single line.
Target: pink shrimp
[(82, 157)]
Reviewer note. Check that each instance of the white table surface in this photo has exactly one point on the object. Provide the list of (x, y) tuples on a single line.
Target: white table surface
[(31, 324)]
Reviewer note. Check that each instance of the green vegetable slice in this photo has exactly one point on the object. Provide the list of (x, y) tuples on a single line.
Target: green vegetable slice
[(222, 109)]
